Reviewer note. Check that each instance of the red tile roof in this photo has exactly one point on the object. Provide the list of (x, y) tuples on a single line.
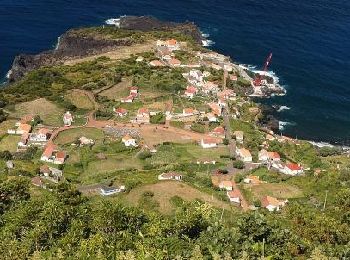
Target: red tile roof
[(234, 193), (293, 166)]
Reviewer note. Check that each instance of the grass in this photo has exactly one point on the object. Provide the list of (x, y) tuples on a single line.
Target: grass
[(165, 190), (70, 135), (9, 143), (80, 100), (278, 190), (118, 91), (49, 112), (4, 126)]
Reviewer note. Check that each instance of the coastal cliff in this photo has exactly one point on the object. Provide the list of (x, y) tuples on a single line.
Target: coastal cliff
[(79, 43)]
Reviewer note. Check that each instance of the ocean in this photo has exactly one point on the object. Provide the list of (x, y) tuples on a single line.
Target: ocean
[(310, 41)]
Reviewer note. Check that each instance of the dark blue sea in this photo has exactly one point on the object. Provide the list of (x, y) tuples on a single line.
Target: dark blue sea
[(310, 41)]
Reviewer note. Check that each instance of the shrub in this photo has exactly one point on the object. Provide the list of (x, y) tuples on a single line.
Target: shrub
[(158, 119), (226, 141), (199, 128), (144, 155), (238, 164)]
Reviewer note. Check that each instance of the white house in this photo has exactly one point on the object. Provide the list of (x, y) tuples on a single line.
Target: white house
[(170, 176), (107, 191), (234, 196), (191, 92), (67, 119), (143, 116), (129, 141), (272, 204), (134, 90), (211, 117), (244, 154), (292, 169), (42, 135), (263, 156), (121, 112), (226, 185), (209, 143), (128, 99), (239, 136)]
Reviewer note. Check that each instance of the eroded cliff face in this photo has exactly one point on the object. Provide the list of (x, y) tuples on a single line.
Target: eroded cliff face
[(75, 45)]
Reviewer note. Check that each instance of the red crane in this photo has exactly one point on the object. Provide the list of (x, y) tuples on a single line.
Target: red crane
[(257, 81)]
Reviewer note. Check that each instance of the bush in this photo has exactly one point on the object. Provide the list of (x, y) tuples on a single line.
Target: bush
[(6, 155), (178, 124), (239, 178), (238, 164), (329, 151), (144, 155), (226, 141), (199, 128), (158, 119)]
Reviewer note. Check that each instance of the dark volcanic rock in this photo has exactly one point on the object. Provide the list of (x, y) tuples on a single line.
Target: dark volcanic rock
[(75, 45), (149, 23), (268, 119)]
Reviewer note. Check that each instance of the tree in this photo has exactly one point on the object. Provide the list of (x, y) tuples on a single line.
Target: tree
[(238, 164), (226, 141)]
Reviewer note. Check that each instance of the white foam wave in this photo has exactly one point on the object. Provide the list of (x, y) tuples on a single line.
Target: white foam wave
[(8, 74), (205, 35), (282, 108), (113, 21), (58, 43), (207, 43), (321, 144), (283, 124)]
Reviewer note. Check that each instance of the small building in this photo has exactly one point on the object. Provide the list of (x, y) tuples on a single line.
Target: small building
[(274, 156), (107, 191), (67, 119), (234, 196), (43, 135), (134, 90), (189, 111), (36, 181), (121, 112), (60, 157), (239, 136), (128, 99), (197, 75), (174, 62), (51, 173), (9, 165), (292, 169), (143, 116), (226, 185), (85, 141), (156, 63), (129, 141), (23, 129), (24, 140), (244, 154), (206, 161), (218, 132), (170, 176), (215, 109), (139, 59), (252, 179), (209, 143), (272, 204), (210, 87), (211, 117), (190, 92), (263, 156)]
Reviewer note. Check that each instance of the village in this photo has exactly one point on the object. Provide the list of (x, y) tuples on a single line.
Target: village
[(205, 116)]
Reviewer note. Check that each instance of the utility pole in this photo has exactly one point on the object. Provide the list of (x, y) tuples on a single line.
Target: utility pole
[(325, 200)]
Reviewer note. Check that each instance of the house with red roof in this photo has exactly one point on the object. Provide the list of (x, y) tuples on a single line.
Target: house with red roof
[(234, 196), (209, 143), (215, 109), (60, 157), (121, 112), (173, 62), (226, 185), (218, 132), (191, 91), (134, 90), (143, 116), (128, 99), (292, 169)]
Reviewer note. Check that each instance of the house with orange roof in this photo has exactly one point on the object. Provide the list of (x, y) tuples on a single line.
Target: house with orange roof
[(239, 136), (244, 154), (272, 204), (143, 116), (156, 63), (210, 87), (226, 185), (47, 155), (189, 112), (191, 91), (128, 99), (215, 109), (173, 62), (209, 143), (23, 129), (274, 156), (121, 112), (218, 132), (252, 179), (129, 141), (22, 144), (234, 196), (134, 90), (60, 157)]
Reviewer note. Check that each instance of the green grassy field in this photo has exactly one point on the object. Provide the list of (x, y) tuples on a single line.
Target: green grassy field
[(80, 100), (9, 143), (69, 136)]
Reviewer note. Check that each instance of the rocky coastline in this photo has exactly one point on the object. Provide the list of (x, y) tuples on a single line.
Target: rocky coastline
[(73, 45)]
